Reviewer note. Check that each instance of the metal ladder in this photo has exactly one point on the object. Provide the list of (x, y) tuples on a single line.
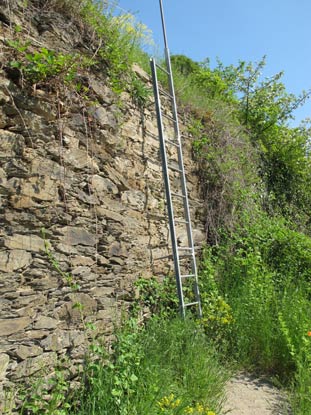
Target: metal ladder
[(184, 256)]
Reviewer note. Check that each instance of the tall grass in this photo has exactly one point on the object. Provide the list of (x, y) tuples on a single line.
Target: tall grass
[(270, 303), (167, 367)]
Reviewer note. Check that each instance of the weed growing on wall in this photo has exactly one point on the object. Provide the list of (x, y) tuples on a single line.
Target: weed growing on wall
[(66, 276), (47, 397), (115, 44), (46, 66)]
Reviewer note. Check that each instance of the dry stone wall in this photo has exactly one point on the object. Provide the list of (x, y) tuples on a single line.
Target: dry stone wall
[(81, 194)]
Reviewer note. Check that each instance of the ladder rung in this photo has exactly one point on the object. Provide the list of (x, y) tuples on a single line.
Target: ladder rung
[(174, 168), (172, 143), (181, 221), (170, 256), (178, 195), (189, 304), (165, 93), (183, 248), (162, 69), (169, 117), (187, 276)]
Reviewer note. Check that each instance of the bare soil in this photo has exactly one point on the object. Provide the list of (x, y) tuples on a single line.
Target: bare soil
[(248, 395)]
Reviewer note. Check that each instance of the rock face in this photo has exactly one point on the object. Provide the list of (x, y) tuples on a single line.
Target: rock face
[(82, 213)]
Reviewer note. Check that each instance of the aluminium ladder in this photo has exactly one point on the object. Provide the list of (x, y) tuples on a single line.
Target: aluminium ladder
[(185, 267)]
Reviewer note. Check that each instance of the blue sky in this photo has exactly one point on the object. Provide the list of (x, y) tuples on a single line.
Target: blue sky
[(236, 30)]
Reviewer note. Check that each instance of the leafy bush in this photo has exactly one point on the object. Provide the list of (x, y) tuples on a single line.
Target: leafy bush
[(236, 106), (159, 298)]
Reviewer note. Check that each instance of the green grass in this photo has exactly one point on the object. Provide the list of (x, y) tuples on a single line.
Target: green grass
[(269, 300), (169, 362)]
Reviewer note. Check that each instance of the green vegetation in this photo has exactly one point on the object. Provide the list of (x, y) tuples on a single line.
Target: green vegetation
[(255, 170), (44, 64), (167, 366), (256, 268), (114, 45), (263, 273)]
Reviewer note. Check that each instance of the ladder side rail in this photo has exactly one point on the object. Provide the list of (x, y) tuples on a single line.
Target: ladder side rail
[(167, 187), (163, 24), (196, 284), (183, 180), (181, 165), (176, 128), (179, 149)]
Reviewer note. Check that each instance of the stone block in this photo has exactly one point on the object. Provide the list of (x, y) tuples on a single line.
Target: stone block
[(26, 311), (135, 198), (13, 325), (46, 167), (77, 158), (105, 118), (89, 305), (141, 73), (117, 249), (103, 185), (66, 249), (26, 242), (100, 261), (102, 292), (44, 322), (82, 261), (34, 364), (56, 341), (132, 131), (76, 337), (23, 352), (44, 284), (11, 144), (37, 106), (31, 300), (77, 236), (41, 188), (15, 259), (35, 334), (102, 90), (105, 213)]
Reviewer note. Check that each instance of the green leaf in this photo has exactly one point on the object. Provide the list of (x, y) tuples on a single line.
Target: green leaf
[(134, 378)]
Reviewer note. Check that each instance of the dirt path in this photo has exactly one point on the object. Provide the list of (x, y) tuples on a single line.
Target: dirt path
[(247, 395)]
